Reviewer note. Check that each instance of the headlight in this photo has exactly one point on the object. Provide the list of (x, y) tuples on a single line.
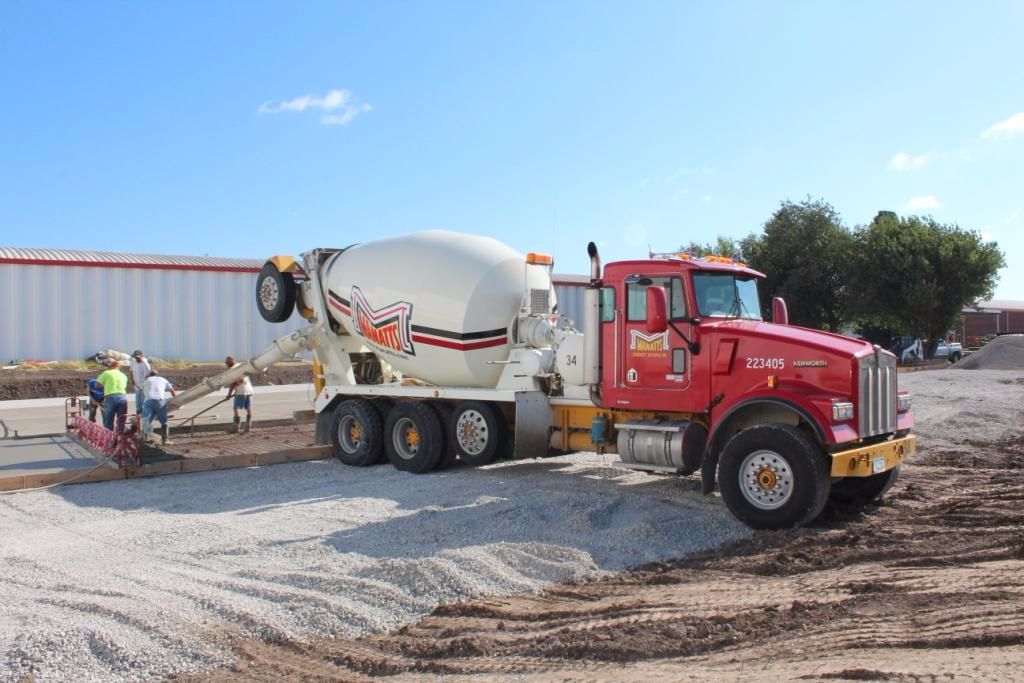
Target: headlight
[(903, 403), (841, 412)]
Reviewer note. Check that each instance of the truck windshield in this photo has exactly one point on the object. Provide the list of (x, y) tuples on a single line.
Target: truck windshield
[(726, 296)]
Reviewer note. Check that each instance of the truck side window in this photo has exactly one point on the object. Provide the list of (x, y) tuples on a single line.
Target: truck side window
[(607, 304), (636, 299)]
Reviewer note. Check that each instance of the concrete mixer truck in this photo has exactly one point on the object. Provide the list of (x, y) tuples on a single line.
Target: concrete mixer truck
[(441, 347)]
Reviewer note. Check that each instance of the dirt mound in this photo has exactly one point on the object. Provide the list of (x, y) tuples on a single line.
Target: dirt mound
[(23, 384), (1002, 353)]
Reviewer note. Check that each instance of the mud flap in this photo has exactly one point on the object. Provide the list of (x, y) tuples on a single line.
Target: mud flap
[(533, 424), (707, 471), (322, 428), (694, 444)]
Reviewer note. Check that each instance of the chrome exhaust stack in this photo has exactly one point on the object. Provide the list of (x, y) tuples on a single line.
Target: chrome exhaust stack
[(592, 327)]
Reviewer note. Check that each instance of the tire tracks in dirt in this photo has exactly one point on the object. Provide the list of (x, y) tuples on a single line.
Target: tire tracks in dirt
[(930, 580)]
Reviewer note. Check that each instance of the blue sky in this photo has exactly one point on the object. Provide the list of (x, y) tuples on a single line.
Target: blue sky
[(249, 129)]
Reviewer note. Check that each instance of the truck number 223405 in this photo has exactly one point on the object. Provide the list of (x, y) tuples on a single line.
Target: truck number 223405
[(758, 363)]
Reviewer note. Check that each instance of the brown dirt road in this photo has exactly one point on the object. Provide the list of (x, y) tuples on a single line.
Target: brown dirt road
[(927, 586)]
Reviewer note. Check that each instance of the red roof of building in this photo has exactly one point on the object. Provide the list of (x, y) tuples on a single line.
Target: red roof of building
[(111, 259)]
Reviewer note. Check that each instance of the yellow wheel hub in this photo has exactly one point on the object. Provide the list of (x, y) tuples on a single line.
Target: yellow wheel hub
[(767, 479), (412, 437), (356, 432)]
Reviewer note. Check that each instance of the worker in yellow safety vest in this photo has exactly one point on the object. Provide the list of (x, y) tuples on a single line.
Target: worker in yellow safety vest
[(115, 402)]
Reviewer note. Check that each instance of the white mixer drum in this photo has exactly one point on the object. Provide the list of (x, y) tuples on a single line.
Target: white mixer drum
[(436, 305)]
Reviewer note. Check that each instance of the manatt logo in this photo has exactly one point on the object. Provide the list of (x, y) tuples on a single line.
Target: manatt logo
[(388, 327), (648, 343)]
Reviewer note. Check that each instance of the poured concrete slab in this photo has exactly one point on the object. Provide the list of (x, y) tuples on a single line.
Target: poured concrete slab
[(43, 454)]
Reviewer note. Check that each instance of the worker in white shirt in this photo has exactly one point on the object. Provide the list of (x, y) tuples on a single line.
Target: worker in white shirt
[(241, 389), (155, 390), (140, 371)]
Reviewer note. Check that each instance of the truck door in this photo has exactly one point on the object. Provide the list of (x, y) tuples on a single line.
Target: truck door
[(657, 362)]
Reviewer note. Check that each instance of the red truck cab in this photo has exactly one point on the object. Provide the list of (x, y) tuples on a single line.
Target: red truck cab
[(792, 415)]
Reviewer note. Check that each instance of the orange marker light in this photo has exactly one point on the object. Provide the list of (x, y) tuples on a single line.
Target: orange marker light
[(772, 381), (537, 259)]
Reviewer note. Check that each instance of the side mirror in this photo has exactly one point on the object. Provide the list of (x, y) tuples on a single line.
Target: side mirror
[(657, 310), (780, 314)]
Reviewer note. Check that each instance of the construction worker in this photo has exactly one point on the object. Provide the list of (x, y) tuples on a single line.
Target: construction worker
[(242, 391), (155, 390), (115, 402), (95, 397), (140, 371)]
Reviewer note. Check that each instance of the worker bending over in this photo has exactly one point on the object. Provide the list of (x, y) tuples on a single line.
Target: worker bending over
[(155, 390), (242, 391)]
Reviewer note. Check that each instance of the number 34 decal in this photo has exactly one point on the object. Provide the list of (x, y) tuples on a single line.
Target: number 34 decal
[(758, 363)]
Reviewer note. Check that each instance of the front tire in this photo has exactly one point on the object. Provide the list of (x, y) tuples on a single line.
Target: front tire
[(773, 476), (414, 439), (356, 433), (865, 489)]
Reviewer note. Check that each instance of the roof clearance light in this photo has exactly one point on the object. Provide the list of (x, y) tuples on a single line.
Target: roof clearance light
[(537, 259)]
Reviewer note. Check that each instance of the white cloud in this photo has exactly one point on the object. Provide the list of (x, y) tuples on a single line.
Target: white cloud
[(342, 106), (905, 162), (1011, 126), (680, 172), (927, 201), (346, 116), (708, 197)]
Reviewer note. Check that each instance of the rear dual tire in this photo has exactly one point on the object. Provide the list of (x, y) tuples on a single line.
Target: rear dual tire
[(477, 431), (418, 436), (356, 433), (414, 437)]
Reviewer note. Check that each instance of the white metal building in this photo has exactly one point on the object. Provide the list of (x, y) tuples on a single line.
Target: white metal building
[(569, 294), (58, 304)]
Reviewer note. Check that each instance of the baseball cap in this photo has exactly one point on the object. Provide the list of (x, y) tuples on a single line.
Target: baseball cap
[(137, 352)]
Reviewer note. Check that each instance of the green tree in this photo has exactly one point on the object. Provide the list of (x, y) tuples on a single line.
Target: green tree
[(722, 246), (916, 275), (805, 252)]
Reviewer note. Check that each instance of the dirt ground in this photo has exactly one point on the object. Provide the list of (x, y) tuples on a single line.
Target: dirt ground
[(926, 586), (39, 383)]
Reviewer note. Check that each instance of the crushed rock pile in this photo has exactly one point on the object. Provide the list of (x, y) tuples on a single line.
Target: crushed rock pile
[(1002, 353)]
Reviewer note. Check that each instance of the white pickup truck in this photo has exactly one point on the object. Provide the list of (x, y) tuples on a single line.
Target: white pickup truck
[(952, 351)]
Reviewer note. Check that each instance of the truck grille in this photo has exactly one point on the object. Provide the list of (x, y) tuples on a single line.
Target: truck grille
[(877, 395)]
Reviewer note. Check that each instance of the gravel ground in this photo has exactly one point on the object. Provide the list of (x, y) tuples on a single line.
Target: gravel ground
[(140, 579), (950, 404)]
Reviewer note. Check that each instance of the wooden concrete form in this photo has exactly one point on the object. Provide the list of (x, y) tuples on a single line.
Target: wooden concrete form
[(216, 462)]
